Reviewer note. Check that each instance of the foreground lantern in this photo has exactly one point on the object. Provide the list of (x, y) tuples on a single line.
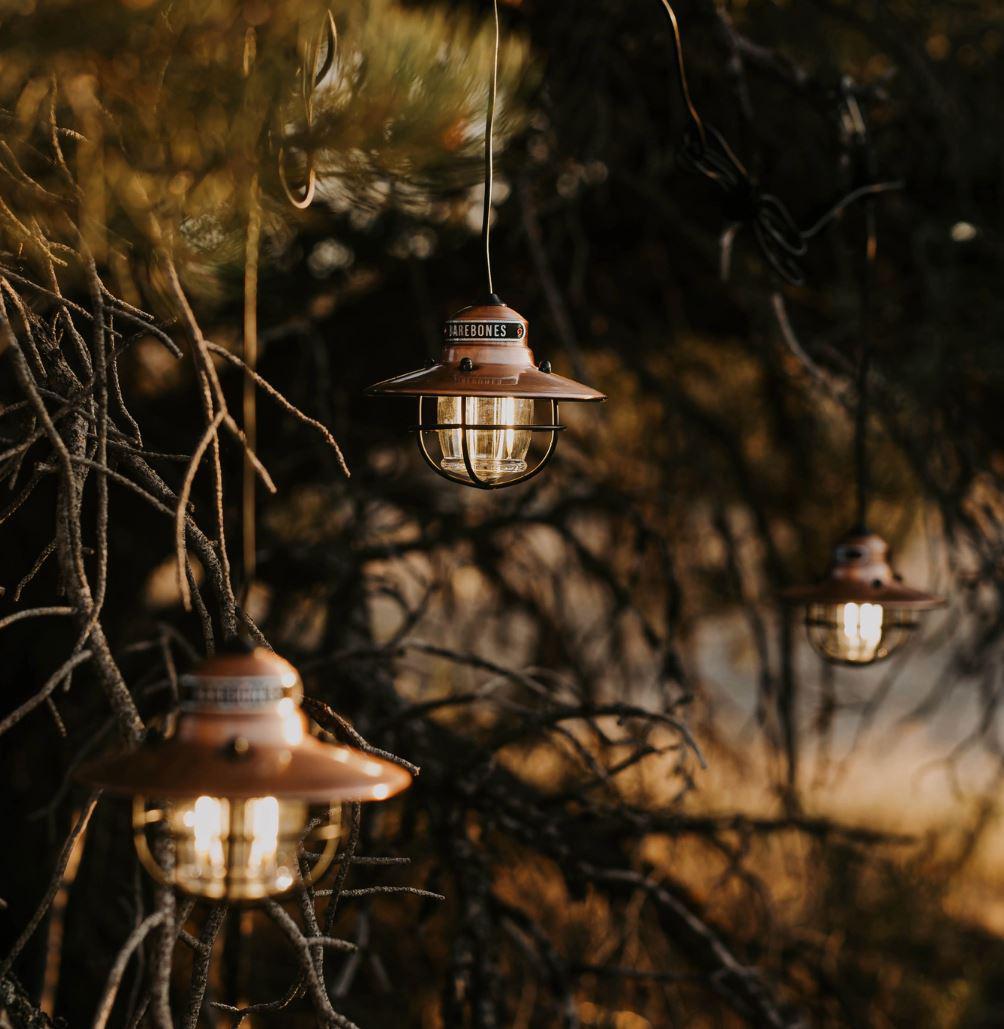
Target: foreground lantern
[(860, 612), (483, 405), (240, 802)]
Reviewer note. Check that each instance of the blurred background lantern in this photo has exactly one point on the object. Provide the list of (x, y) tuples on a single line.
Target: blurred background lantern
[(239, 802), (861, 611)]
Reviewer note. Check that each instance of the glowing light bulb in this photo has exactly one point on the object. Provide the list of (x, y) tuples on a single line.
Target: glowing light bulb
[(862, 630), (263, 816), (495, 453), (241, 849), (858, 633), (206, 819)]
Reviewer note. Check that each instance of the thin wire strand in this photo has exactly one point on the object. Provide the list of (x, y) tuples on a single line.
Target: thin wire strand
[(486, 220), (312, 73), (681, 71)]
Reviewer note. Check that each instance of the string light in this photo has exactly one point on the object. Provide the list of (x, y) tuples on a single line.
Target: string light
[(240, 802)]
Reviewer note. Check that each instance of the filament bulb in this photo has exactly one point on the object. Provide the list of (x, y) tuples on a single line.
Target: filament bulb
[(498, 448), (858, 633)]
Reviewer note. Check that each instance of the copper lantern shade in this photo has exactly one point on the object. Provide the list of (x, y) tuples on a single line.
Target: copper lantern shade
[(228, 805), (488, 391), (860, 612)]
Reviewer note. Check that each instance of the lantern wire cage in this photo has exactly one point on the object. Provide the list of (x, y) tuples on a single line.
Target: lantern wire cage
[(858, 633), (488, 454), (235, 849)]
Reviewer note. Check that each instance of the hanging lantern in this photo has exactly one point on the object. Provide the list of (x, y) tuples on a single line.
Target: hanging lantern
[(491, 401), (239, 802), (860, 612), (483, 405)]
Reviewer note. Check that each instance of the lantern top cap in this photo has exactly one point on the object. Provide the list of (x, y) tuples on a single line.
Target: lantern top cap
[(485, 354), (240, 732), (256, 661), (241, 677), (490, 309), (860, 572)]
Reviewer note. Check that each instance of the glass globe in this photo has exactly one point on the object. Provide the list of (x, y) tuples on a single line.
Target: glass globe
[(235, 848), (858, 633), (495, 454)]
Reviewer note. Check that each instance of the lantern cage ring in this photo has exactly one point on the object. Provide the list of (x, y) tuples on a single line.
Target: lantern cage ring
[(472, 478)]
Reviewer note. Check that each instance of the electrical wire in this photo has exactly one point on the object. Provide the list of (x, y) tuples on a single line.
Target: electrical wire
[(681, 71), (486, 218), (863, 155), (862, 466)]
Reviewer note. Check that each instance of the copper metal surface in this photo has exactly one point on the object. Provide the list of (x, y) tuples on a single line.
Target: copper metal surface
[(252, 663), (246, 748), (860, 573), (503, 367)]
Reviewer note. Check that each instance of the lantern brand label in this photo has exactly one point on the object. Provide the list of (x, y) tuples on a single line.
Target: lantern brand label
[(487, 380), (484, 330)]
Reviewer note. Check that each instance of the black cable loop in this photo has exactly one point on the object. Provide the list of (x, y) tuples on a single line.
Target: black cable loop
[(311, 76), (705, 150)]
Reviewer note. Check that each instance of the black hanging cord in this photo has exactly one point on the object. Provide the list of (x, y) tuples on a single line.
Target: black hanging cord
[(695, 119), (780, 241), (864, 156), (486, 220), (864, 369)]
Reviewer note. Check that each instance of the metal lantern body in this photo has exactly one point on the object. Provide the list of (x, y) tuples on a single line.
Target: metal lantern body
[(860, 612), (240, 802), (488, 400)]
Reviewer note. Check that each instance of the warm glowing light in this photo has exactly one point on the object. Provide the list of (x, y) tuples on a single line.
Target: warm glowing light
[(242, 849), (494, 453), (292, 722), (964, 232), (206, 821), (862, 629), (858, 633), (264, 819)]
